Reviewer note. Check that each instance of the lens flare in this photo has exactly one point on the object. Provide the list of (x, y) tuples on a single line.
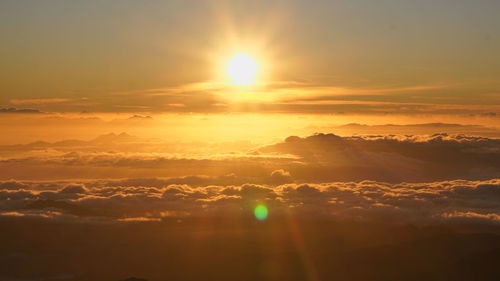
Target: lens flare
[(261, 212)]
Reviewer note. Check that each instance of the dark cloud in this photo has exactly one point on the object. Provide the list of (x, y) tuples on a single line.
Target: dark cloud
[(18, 110), (412, 129), (140, 117), (392, 158), (13, 185)]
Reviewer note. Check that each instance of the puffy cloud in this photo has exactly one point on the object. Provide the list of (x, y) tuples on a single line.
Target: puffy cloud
[(281, 176), (74, 188), (366, 200), (13, 185)]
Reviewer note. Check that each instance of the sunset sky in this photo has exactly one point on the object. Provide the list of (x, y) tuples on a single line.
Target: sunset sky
[(249, 140), (319, 57)]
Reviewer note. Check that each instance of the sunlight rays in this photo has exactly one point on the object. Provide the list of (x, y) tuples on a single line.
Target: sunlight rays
[(242, 69)]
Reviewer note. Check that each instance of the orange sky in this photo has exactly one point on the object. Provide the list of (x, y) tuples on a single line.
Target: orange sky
[(409, 57), (345, 140)]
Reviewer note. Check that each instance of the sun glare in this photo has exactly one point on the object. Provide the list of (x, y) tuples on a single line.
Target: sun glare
[(242, 69)]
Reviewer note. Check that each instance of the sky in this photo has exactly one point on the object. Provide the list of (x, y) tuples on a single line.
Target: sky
[(249, 140), (360, 57)]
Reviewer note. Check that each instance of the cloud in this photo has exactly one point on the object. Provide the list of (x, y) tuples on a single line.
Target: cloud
[(20, 111), (74, 189), (412, 129), (140, 117), (472, 216), (13, 185), (281, 176), (295, 97), (317, 158), (426, 203), (390, 157), (38, 101)]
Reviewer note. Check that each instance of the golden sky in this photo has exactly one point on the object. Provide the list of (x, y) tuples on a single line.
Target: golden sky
[(359, 57), (297, 140)]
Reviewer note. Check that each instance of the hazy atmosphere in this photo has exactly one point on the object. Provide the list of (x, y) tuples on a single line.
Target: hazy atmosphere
[(249, 140)]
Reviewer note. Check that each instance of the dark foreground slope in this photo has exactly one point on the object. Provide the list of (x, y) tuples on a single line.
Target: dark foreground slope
[(244, 249)]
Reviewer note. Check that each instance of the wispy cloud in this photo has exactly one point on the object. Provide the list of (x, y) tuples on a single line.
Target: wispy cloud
[(39, 101), (19, 110)]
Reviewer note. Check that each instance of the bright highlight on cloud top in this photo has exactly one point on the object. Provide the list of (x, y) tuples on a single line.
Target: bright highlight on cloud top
[(261, 212), (242, 69)]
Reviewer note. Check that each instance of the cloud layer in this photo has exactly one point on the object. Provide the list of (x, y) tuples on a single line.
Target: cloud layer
[(317, 158), (437, 202)]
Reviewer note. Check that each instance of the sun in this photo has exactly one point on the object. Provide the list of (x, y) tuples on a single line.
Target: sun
[(242, 69)]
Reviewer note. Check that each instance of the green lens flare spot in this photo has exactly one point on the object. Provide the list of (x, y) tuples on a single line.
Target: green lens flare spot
[(261, 212)]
